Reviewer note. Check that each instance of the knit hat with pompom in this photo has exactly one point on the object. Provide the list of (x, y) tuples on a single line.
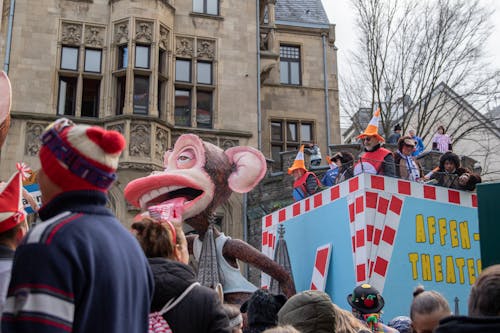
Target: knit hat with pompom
[(80, 157)]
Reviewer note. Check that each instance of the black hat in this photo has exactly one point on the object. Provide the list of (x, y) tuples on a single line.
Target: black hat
[(366, 299), (397, 127)]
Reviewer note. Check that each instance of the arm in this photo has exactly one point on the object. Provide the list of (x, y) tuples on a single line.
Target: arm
[(388, 165)]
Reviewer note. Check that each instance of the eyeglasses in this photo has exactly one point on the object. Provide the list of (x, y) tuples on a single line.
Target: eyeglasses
[(367, 138)]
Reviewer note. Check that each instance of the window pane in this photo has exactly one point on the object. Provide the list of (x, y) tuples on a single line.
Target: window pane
[(93, 61), (182, 108), (67, 96), (162, 62), (276, 132), (122, 57), (142, 56), (212, 7), (183, 70), (141, 94), (198, 6), (205, 72), (120, 94), (294, 73), (283, 72), (305, 132), (291, 134), (204, 109), (69, 58), (90, 98), (161, 98)]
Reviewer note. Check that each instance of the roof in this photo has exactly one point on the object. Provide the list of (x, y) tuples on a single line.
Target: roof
[(301, 11)]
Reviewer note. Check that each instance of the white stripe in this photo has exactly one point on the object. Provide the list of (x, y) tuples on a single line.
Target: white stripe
[(37, 232), (43, 304)]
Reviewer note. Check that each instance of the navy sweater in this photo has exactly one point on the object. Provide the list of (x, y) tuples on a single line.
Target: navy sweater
[(78, 271)]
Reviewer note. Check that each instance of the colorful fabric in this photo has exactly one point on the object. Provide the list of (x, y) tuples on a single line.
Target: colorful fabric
[(419, 148), (442, 141), (330, 176), (305, 186), (371, 162), (11, 200), (158, 324)]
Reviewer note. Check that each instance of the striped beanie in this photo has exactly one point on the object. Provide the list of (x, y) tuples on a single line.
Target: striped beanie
[(79, 157)]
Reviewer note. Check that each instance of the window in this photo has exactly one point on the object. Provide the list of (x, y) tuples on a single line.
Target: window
[(288, 135), (162, 62), (141, 94), (120, 94), (93, 60), (206, 6), (67, 96), (290, 65), (122, 56), (182, 112), (183, 70), (69, 58), (204, 109), (204, 72), (141, 56), (90, 98)]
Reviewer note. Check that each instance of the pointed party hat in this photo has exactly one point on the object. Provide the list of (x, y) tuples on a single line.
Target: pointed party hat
[(372, 128), (11, 200), (299, 161)]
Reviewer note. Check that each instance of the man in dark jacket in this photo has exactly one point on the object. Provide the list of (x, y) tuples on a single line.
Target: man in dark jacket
[(80, 270)]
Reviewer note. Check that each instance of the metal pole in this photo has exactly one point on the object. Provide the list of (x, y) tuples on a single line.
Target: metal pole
[(9, 37), (327, 111)]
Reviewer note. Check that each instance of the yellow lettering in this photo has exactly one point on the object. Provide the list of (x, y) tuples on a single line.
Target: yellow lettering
[(438, 268), (426, 267), (450, 270), (460, 265), (471, 271), (464, 235), (442, 231), (420, 232), (453, 233), (431, 221), (413, 260), (479, 266)]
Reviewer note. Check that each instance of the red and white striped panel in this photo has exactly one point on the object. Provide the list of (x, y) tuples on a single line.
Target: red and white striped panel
[(321, 265), (351, 199), (383, 201), (360, 240), (386, 246), (370, 213), (268, 247)]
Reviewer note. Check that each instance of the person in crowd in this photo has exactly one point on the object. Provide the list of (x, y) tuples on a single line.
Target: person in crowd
[(262, 310), (282, 329), (367, 304), (441, 141), (235, 318), (419, 148), (375, 159), (330, 175), (13, 228), (483, 307), (305, 182), (197, 308), (449, 171), (394, 137), (427, 309), (315, 152), (406, 166), (344, 161), (345, 322), (80, 270), (401, 323)]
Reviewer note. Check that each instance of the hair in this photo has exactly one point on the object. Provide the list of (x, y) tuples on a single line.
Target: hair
[(345, 157), (412, 130), (156, 238), (485, 292), (427, 301), (232, 313), (441, 127), (449, 156), (10, 234), (282, 329), (345, 321), (401, 141)]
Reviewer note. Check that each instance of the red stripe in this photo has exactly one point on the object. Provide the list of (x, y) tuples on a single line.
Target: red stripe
[(376, 236), (359, 205), (39, 286), (269, 220), (383, 203), (361, 272), (313, 286), (360, 238), (404, 187), (353, 184), (353, 244), (429, 192), (308, 205), (318, 200), (378, 182), (351, 212), (264, 238), (335, 192), (381, 266), (270, 239), (281, 215), (454, 197), (44, 321), (396, 205), (321, 257), (369, 232), (389, 235), (296, 209), (474, 200), (371, 199), (60, 225)]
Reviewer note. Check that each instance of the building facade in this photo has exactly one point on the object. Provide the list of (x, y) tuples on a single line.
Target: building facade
[(156, 69)]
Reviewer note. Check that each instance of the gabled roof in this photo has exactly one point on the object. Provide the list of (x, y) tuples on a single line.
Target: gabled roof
[(301, 11)]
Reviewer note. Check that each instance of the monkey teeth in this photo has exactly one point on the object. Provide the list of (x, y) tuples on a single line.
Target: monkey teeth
[(156, 193)]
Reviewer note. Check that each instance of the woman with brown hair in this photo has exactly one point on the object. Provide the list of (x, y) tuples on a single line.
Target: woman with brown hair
[(344, 161)]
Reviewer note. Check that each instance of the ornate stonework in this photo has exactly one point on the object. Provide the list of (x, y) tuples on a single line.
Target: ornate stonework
[(140, 140), (163, 41), (33, 143), (119, 127), (121, 33), (206, 49), (94, 36), (229, 143), (184, 47), (71, 33), (144, 32), (212, 140), (161, 143)]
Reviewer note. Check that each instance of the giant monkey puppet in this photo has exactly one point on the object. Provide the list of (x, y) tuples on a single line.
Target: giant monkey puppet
[(198, 177)]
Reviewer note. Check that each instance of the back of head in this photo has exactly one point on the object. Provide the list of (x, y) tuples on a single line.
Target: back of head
[(485, 293), (345, 322), (262, 308), (401, 323), (282, 329), (426, 302), (234, 315), (309, 311), (156, 239)]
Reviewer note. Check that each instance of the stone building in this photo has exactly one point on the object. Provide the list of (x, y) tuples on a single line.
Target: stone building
[(259, 73)]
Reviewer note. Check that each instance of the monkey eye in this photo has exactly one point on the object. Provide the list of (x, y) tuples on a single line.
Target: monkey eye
[(186, 159)]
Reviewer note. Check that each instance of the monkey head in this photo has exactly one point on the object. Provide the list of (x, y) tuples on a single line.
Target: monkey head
[(198, 177)]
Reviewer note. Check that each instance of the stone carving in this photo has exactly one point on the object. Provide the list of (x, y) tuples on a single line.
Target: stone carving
[(140, 141), (206, 49), (146, 167), (163, 42), (184, 47), (228, 143), (144, 32), (71, 34), (161, 143), (33, 143), (121, 33), (94, 36), (120, 127), (211, 140)]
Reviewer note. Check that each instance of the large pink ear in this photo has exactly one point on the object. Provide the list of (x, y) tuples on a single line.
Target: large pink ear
[(5, 102), (250, 168)]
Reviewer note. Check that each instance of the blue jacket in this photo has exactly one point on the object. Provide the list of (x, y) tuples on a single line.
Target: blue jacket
[(78, 271), (419, 148), (329, 177)]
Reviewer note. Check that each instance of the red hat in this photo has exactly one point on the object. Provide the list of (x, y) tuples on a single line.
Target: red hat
[(11, 200), (79, 157)]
